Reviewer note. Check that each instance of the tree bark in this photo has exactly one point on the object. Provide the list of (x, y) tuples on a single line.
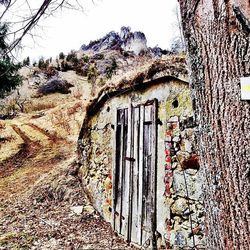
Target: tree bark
[(217, 34)]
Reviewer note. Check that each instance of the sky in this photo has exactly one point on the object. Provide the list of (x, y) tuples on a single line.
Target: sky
[(70, 29)]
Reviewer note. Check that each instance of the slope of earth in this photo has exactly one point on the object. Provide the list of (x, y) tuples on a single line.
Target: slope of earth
[(37, 141), (55, 214), (42, 205)]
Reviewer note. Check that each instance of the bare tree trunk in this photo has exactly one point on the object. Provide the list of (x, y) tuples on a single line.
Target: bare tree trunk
[(217, 34)]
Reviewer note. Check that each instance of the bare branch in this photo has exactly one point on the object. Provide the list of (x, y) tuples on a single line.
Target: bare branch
[(6, 9), (26, 23)]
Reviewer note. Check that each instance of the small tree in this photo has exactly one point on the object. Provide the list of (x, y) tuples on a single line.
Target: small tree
[(110, 70), (71, 56), (40, 63), (92, 76), (9, 77), (85, 58), (61, 56), (26, 61), (65, 66), (43, 64)]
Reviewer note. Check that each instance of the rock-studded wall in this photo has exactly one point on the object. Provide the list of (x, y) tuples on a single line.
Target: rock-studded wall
[(97, 168), (183, 186), (183, 179), (179, 183)]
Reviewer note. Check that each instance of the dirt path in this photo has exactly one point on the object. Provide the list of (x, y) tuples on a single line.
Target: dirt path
[(28, 150), (39, 153), (50, 136)]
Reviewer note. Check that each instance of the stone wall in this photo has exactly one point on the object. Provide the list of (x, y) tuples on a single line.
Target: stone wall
[(96, 170), (179, 215), (183, 186)]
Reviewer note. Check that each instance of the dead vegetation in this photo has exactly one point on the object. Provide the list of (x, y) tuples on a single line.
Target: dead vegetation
[(55, 86), (38, 106)]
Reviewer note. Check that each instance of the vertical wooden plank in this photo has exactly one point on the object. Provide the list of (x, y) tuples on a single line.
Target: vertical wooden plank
[(135, 174), (153, 173), (147, 155), (119, 171), (131, 178), (114, 167), (123, 174), (140, 177), (127, 176)]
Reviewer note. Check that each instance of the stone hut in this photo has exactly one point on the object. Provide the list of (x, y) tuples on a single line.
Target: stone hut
[(138, 162)]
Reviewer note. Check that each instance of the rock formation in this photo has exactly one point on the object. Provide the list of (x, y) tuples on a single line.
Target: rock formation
[(126, 40)]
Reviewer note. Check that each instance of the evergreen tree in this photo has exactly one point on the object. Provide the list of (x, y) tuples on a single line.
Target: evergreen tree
[(9, 77), (26, 62)]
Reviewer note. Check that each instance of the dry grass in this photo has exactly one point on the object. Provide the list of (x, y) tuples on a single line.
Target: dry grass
[(77, 93), (61, 120), (74, 109), (38, 106), (2, 125), (11, 146)]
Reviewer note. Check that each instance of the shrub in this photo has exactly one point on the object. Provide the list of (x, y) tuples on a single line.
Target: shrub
[(81, 69), (65, 66), (43, 64), (110, 70), (71, 56), (75, 61), (26, 61), (92, 74), (47, 62), (55, 86), (50, 71), (9, 109), (61, 56), (85, 58), (101, 82)]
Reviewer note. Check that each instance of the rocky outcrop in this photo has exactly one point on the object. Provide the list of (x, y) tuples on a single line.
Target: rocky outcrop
[(158, 52), (111, 41), (126, 40), (133, 41)]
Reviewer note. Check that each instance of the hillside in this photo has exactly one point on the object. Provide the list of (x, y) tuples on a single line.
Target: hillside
[(42, 205)]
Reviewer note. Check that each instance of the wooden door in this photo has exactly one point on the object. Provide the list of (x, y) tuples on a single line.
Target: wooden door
[(134, 186)]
